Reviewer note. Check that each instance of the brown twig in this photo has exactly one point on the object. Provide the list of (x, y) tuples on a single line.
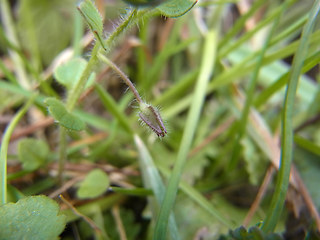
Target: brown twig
[(261, 193), (66, 186), (85, 218), (121, 230), (307, 123), (30, 129), (214, 134)]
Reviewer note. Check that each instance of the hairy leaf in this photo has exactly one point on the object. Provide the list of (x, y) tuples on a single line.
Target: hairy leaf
[(62, 116), (176, 8)]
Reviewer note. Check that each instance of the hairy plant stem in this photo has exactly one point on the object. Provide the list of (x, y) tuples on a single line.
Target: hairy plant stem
[(123, 76), (76, 91), (62, 153)]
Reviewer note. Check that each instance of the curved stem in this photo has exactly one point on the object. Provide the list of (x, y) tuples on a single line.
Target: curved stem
[(4, 149), (123, 76), (279, 196)]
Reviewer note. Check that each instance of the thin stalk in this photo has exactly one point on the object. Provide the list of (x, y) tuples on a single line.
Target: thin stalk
[(209, 54), (4, 148), (77, 89), (123, 76), (250, 93), (279, 195), (62, 153)]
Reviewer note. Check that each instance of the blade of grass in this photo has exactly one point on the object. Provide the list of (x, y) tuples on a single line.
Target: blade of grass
[(307, 144), (12, 37), (238, 71), (207, 64), (197, 197), (279, 196), (4, 148), (152, 179), (239, 24), (261, 24), (159, 62), (250, 93), (109, 103), (177, 89), (281, 82)]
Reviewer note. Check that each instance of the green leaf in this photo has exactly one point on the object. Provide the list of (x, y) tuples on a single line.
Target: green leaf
[(34, 217), (69, 73), (176, 8), (152, 179), (62, 116), (32, 153), (93, 18), (95, 184), (144, 2)]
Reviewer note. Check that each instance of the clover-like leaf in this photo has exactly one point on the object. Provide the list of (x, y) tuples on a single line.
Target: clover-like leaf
[(176, 8), (95, 184), (32, 153), (62, 116), (69, 73), (34, 217)]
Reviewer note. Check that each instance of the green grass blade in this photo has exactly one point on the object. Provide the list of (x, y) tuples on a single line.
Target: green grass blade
[(4, 149), (250, 93), (277, 85), (239, 24), (112, 106), (241, 69), (152, 179), (209, 54), (307, 144), (279, 196), (201, 200), (263, 23)]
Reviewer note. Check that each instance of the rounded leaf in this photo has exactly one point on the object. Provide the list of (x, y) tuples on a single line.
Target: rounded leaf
[(32, 153), (62, 116), (34, 217), (95, 184), (69, 73)]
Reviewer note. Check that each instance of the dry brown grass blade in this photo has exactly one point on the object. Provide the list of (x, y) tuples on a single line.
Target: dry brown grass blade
[(262, 191), (85, 218), (213, 135), (121, 230)]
